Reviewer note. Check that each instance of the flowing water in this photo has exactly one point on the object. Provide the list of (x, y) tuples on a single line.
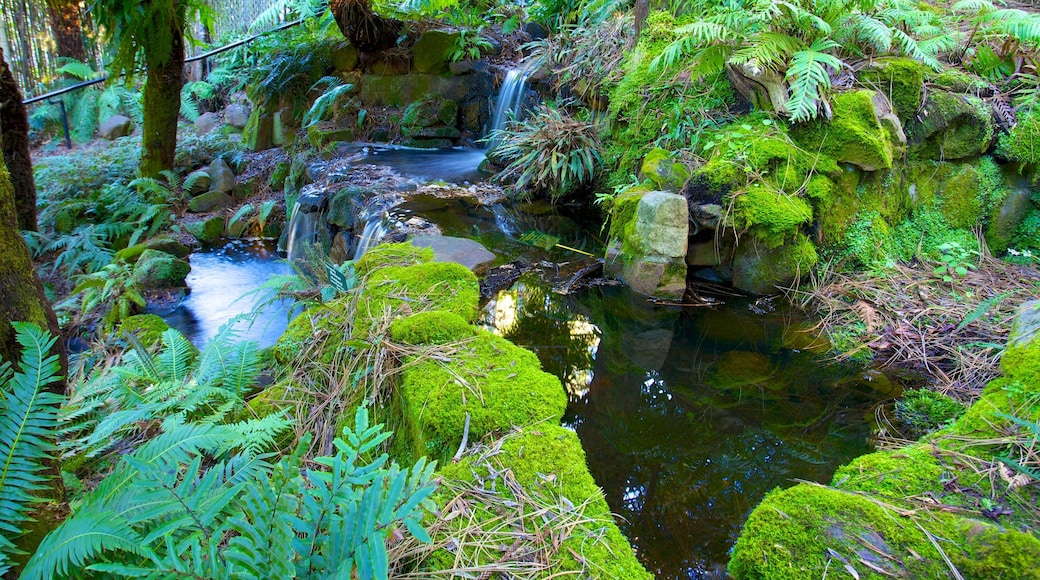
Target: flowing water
[(509, 104), (221, 280)]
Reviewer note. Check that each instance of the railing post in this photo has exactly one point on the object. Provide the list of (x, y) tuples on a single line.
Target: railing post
[(64, 120)]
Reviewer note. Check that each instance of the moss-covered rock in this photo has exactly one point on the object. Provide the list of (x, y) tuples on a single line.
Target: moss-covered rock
[(345, 57), (434, 327), (760, 269), (771, 216), (496, 383), (412, 289), (207, 231), (666, 173), (900, 79), (951, 126), (155, 269), (1022, 143), (433, 50), (549, 458), (209, 201), (863, 131), (148, 328), (383, 255)]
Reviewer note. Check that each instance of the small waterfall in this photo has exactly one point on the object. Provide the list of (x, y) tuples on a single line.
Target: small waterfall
[(302, 231), (373, 232), (510, 99)]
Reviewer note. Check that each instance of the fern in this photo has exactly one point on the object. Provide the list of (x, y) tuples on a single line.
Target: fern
[(808, 76), (334, 89), (28, 418), (166, 508)]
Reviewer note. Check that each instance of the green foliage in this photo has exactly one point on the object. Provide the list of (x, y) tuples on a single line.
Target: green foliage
[(283, 67), (334, 89), (954, 261), (920, 235), (28, 421), (550, 153), (469, 44), (922, 411), (178, 384), (805, 41), (1001, 39), (113, 290), (191, 94), (86, 108), (169, 509), (146, 29)]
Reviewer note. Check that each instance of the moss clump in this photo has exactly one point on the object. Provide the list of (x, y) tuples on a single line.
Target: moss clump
[(148, 328), (952, 126), (661, 168), (550, 458), (1022, 143), (901, 79), (412, 289), (498, 384), (155, 269), (623, 213), (993, 553), (854, 134), (921, 411), (434, 327), (791, 534), (772, 216), (867, 242), (922, 233), (893, 474), (383, 255), (759, 269)]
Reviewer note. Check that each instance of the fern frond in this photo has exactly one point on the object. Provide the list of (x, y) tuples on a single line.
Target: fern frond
[(908, 46), (324, 103), (27, 426), (873, 32), (175, 359), (808, 76), (78, 540), (694, 35), (770, 50)]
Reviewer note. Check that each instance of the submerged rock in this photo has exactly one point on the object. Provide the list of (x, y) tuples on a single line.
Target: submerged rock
[(469, 253)]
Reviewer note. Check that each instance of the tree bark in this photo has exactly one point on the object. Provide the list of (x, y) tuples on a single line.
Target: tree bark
[(21, 293), (67, 28), (162, 105), (14, 138)]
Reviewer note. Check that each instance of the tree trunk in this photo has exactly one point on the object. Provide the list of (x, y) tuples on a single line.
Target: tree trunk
[(21, 293), (162, 105), (14, 134), (67, 29)]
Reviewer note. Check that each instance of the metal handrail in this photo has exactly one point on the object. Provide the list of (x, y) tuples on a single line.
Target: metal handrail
[(203, 56)]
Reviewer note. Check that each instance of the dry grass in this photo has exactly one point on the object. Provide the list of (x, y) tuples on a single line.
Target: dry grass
[(908, 317), (493, 527)]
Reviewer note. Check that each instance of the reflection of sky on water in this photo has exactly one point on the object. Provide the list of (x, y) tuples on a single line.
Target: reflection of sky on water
[(220, 282)]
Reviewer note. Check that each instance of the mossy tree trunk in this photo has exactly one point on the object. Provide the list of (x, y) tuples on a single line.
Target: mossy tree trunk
[(162, 105), (14, 140), (67, 29), (21, 293)]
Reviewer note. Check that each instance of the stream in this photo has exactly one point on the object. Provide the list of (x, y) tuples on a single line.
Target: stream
[(688, 416)]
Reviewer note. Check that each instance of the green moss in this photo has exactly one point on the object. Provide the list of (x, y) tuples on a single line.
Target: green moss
[(759, 269), (924, 231), (548, 460), (498, 384), (148, 328), (772, 216), (667, 174), (854, 134), (659, 108), (155, 269), (894, 475), (1022, 143), (921, 411), (867, 242), (404, 254), (412, 289), (994, 553), (957, 81), (901, 79), (623, 213), (434, 327), (952, 126), (793, 532)]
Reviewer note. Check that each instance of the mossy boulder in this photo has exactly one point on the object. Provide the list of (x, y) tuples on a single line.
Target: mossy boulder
[(210, 201), (207, 231), (951, 126), (148, 328), (900, 79), (412, 289), (496, 383), (661, 168), (432, 51), (863, 131), (548, 460), (155, 269), (1022, 143), (648, 242), (383, 255), (760, 268), (772, 216), (345, 57)]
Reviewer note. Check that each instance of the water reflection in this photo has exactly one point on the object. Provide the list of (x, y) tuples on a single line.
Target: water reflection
[(220, 279), (689, 418), (457, 165)]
